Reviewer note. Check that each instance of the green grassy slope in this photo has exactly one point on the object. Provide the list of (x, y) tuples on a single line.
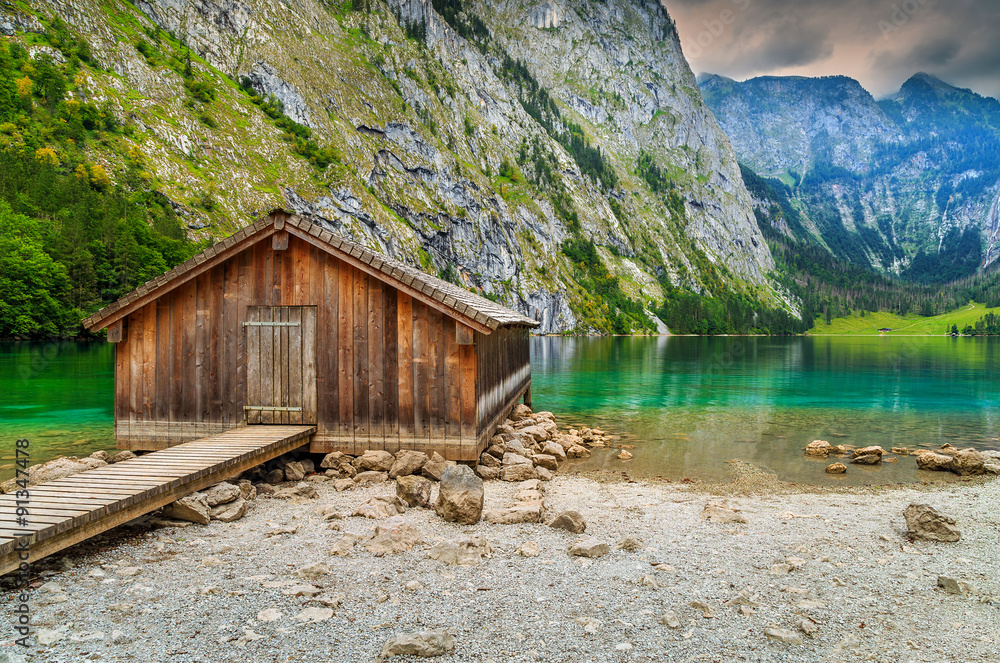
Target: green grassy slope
[(869, 325)]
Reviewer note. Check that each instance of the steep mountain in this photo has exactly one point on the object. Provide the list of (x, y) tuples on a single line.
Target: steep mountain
[(555, 156), (909, 185)]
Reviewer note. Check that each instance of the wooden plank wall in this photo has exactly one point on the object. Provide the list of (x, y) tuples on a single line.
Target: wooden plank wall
[(390, 373), (503, 374)]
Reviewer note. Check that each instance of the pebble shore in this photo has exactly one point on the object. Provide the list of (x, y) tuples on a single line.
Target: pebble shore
[(810, 576)]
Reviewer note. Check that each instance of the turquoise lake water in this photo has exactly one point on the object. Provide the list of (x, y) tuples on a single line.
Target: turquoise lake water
[(687, 404), (690, 404)]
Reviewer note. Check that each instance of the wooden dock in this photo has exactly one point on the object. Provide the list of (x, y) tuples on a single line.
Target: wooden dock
[(66, 511)]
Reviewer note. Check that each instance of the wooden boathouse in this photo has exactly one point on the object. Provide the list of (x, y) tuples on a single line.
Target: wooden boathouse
[(286, 322)]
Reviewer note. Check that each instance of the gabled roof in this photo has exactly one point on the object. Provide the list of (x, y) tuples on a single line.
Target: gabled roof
[(477, 311)]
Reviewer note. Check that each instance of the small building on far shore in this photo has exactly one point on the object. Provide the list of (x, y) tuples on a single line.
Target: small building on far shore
[(884, 330), (286, 322)]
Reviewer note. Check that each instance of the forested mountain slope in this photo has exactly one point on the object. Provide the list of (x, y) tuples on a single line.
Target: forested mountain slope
[(556, 157)]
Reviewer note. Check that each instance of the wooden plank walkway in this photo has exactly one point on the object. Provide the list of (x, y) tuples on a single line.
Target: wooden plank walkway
[(72, 509)]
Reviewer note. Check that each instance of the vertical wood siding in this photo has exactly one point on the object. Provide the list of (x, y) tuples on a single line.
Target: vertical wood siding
[(390, 372)]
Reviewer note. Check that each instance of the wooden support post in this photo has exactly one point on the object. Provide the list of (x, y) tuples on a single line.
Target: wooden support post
[(527, 395), (116, 331)]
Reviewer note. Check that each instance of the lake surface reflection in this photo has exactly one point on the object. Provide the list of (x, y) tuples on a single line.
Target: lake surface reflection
[(690, 404)]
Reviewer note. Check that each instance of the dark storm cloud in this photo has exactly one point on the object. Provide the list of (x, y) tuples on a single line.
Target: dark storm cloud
[(879, 42)]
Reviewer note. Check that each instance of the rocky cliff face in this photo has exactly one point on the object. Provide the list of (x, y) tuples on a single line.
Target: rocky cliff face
[(434, 151), (909, 184)]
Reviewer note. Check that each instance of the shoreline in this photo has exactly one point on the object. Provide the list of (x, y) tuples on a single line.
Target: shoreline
[(268, 586)]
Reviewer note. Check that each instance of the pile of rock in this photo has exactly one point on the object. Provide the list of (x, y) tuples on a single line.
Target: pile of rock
[(226, 502), (65, 466), (964, 462), (529, 446)]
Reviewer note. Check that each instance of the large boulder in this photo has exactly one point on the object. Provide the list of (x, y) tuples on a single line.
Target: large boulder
[(192, 508), (818, 448), (554, 449), (378, 508), (460, 497), (867, 451), (933, 461), (546, 461), (230, 511), (589, 548), (571, 521), (435, 466), (519, 472), (294, 471), (465, 551), (531, 512), (222, 493), (407, 462), (414, 490), (487, 473), (393, 536), (967, 462), (420, 643), (374, 460), (925, 522)]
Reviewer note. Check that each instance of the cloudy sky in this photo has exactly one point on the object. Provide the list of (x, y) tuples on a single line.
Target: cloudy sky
[(879, 42)]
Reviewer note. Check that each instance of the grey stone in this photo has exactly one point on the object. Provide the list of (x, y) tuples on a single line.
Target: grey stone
[(371, 476), (414, 490), (381, 507), (465, 551), (294, 471), (222, 493), (522, 513), (571, 521), (230, 511), (953, 586), (419, 643), (374, 460), (193, 508), (460, 497), (589, 548), (925, 522), (554, 449), (511, 458), (489, 460), (407, 462), (100, 455), (275, 476), (518, 472), (121, 456), (435, 466), (395, 535), (333, 460), (546, 461), (487, 473), (783, 635), (301, 490)]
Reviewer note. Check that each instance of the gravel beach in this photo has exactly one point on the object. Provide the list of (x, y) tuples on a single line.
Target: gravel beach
[(810, 576)]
